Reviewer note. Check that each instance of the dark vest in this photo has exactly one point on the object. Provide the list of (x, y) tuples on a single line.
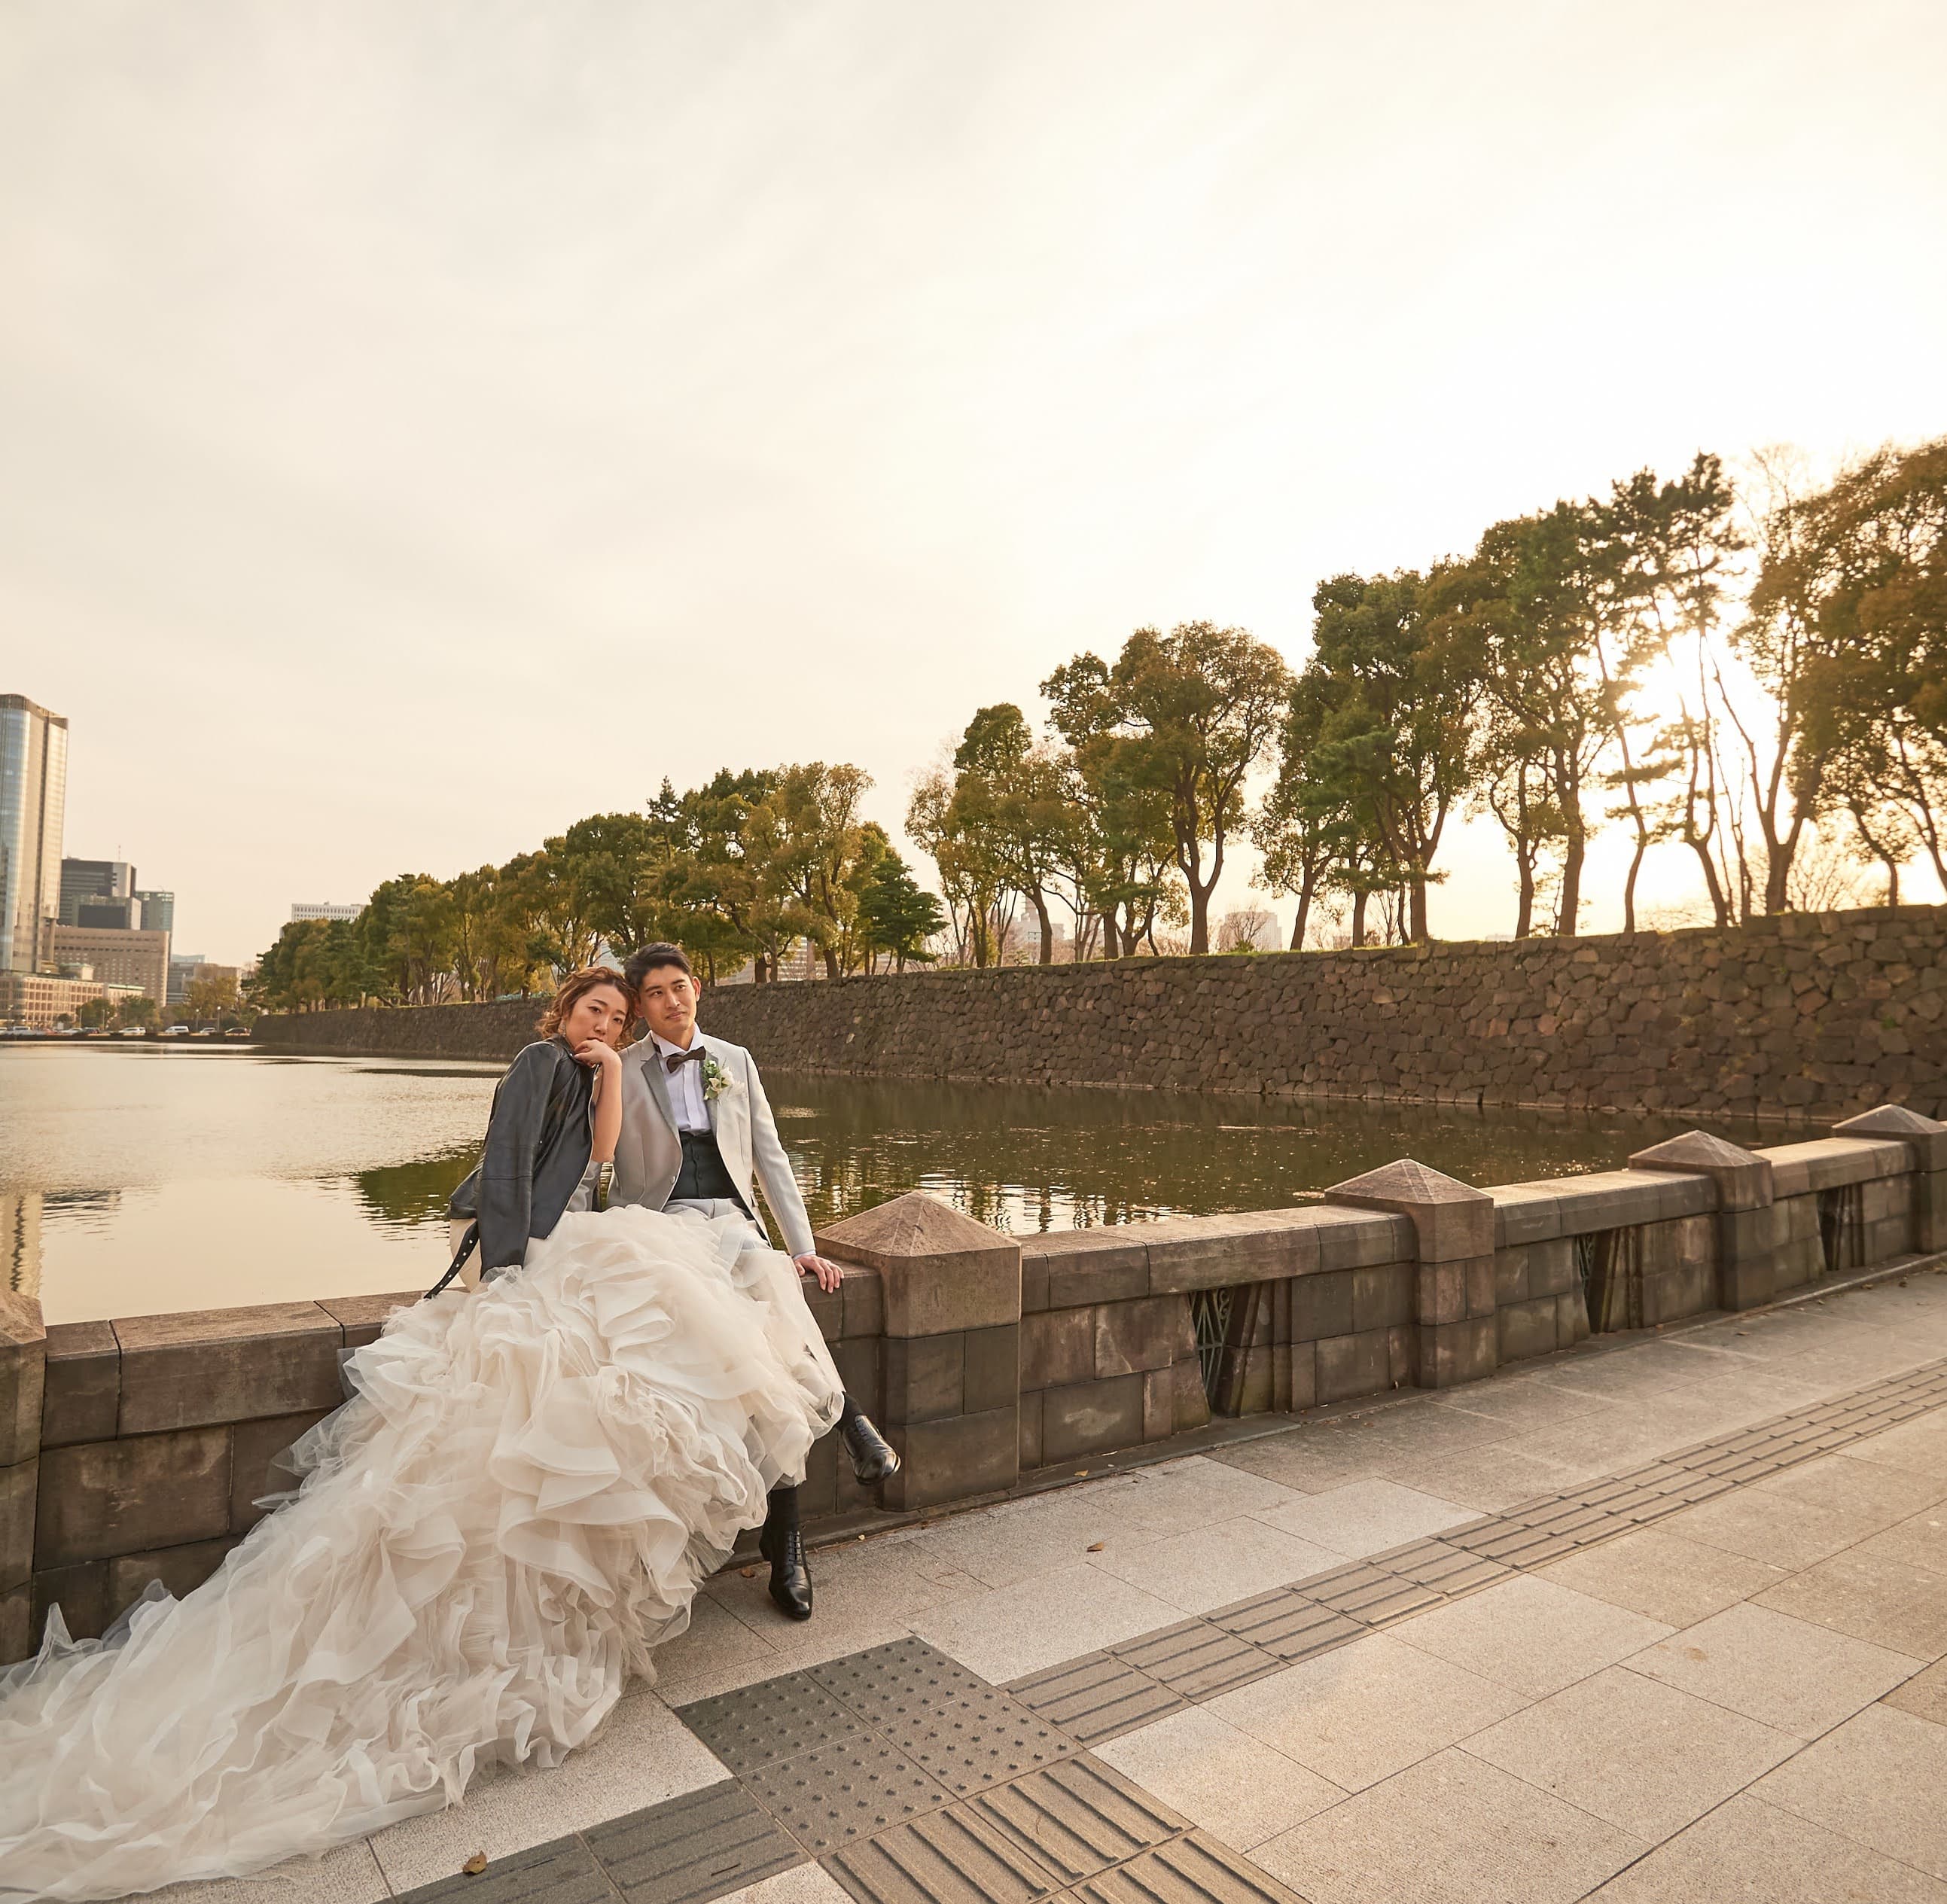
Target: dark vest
[(703, 1178)]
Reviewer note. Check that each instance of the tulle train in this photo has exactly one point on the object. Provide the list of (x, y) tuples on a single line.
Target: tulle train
[(515, 1509)]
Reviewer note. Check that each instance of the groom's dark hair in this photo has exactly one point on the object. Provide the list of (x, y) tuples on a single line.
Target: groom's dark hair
[(651, 959)]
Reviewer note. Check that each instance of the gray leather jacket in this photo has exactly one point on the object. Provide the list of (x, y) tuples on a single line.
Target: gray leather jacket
[(539, 1136)]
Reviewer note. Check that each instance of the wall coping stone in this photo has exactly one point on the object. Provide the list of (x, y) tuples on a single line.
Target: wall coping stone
[(939, 1270), (1452, 1220), (1925, 1137), (1743, 1177), (1829, 1162), (23, 1364)]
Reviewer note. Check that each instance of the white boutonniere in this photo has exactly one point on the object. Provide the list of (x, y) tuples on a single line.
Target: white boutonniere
[(716, 1080)]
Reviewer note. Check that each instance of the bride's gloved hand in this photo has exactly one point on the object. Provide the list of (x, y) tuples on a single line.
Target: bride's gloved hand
[(828, 1274)]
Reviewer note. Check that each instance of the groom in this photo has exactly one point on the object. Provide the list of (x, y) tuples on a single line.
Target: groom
[(684, 1147)]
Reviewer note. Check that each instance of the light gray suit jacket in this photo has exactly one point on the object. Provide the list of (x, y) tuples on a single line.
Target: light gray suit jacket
[(649, 1158)]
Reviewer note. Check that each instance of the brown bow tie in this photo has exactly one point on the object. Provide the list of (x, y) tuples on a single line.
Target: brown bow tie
[(676, 1060)]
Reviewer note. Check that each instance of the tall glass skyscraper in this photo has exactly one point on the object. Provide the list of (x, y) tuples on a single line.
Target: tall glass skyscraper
[(33, 806)]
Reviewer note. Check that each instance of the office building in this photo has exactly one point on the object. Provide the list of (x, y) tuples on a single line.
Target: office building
[(116, 955), (182, 969), (324, 909), (87, 882), (114, 915), (42, 1000), (34, 810), (158, 911)]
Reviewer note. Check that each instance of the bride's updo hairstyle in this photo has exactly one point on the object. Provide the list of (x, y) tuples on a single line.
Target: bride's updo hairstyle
[(576, 987)]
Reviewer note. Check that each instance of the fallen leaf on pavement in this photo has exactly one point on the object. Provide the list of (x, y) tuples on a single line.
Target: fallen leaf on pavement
[(475, 1865)]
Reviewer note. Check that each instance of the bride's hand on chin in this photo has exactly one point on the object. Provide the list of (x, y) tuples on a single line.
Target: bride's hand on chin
[(598, 1054)]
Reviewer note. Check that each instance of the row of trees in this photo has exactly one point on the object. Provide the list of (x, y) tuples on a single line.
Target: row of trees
[(208, 1001), (1698, 666), (1721, 667), (744, 870)]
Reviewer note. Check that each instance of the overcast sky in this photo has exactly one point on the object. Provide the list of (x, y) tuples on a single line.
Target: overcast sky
[(423, 424)]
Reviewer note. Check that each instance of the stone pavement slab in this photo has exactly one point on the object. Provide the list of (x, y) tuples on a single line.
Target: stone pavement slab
[(1925, 1694), (1363, 1712), (349, 1875), (1776, 1670), (1880, 1778), (1919, 1542), (1015, 1629), (1862, 1491), (1449, 1830), (1786, 1533), (1888, 1601), (1211, 1566), (1361, 1518), (1646, 1758), (1747, 1852), (1531, 1635), (1234, 1786), (1663, 1577)]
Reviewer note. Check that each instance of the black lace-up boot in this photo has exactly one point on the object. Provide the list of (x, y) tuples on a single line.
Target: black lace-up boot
[(782, 1544), (874, 1458)]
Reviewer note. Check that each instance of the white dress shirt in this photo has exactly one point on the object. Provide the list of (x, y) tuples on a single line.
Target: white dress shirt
[(685, 1084)]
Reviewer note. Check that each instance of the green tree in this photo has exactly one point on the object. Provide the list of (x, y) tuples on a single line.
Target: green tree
[(899, 916), (1399, 741), (809, 837), (93, 1013), (1188, 715)]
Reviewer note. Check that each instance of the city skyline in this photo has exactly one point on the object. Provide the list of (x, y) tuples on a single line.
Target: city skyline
[(828, 373)]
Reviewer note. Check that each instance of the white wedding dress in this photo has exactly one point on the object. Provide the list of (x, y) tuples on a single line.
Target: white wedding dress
[(517, 1505)]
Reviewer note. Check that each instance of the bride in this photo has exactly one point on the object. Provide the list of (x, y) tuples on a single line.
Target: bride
[(515, 1507)]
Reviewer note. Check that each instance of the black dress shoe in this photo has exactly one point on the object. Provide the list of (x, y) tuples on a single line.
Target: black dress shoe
[(874, 1458), (790, 1574)]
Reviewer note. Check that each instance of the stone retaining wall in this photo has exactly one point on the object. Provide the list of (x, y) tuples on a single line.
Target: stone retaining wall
[(137, 1450), (1799, 1017)]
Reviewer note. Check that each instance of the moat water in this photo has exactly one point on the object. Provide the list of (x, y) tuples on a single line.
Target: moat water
[(137, 1179)]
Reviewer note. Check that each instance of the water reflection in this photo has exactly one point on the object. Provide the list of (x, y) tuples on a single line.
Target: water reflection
[(1030, 1160), (138, 1180), (406, 1195)]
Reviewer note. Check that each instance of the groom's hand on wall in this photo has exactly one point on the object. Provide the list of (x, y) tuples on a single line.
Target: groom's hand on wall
[(828, 1274)]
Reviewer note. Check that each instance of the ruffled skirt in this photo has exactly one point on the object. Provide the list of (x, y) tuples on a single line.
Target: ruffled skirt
[(516, 1507)]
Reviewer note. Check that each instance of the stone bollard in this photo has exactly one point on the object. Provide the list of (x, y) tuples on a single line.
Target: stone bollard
[(23, 1345), (1926, 1141), (1458, 1330), (951, 1360), (1747, 1221)]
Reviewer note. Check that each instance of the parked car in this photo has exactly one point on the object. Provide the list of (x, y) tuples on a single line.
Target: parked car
[(175, 1031), (131, 1031), (237, 1031)]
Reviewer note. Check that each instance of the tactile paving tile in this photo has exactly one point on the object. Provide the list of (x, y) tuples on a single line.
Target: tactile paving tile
[(851, 1788), (699, 1846), (1198, 1659), (1077, 1819), (771, 1720), (1096, 1696), (1288, 1623), (562, 1872), (1433, 1562), (976, 1742), (885, 1681), (1191, 1870), (954, 1856)]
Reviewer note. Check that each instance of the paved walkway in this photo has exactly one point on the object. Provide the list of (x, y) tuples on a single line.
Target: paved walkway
[(1664, 1621)]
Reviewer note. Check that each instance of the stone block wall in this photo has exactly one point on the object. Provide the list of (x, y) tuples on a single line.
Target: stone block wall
[(1802, 1017), (137, 1450)]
